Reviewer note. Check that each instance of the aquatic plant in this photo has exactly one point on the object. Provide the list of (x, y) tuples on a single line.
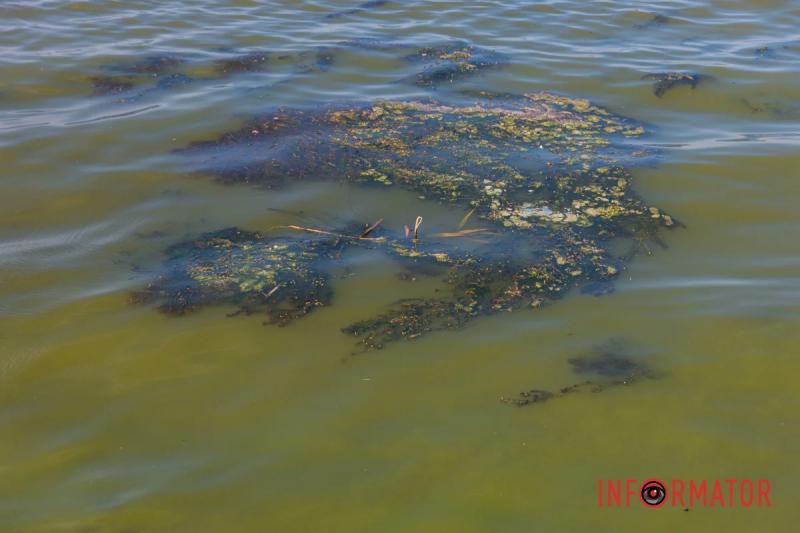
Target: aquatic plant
[(667, 80), (360, 8), (450, 62), (121, 79), (133, 80), (610, 364), (280, 277), (548, 173), (444, 63)]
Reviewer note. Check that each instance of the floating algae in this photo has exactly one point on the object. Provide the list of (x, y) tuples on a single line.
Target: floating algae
[(667, 80), (366, 6), (609, 365), (280, 277), (548, 173), (450, 62), (122, 78), (133, 80)]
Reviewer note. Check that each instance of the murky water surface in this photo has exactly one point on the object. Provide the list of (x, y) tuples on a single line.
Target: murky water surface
[(116, 417)]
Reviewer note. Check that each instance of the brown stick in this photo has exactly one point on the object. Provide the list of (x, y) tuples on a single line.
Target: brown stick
[(466, 218), (370, 229), (271, 292), (323, 232), (463, 232)]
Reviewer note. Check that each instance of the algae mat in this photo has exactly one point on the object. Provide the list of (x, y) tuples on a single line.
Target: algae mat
[(548, 173)]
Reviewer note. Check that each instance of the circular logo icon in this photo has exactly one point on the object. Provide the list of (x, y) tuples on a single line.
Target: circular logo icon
[(654, 493)]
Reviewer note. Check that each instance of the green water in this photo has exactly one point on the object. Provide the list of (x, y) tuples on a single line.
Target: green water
[(118, 418)]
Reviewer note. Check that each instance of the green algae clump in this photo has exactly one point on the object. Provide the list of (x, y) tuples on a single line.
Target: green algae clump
[(277, 276), (664, 81), (450, 62), (549, 174)]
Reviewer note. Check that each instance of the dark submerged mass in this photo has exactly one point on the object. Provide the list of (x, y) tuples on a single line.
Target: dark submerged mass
[(453, 61), (280, 277), (154, 65), (547, 173), (608, 365), (667, 80), (130, 81), (136, 79), (365, 6), (108, 85), (250, 62), (654, 20), (123, 78)]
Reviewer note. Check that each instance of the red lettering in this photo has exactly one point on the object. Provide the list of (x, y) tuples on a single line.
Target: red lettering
[(716, 494), (616, 494), (599, 492), (764, 486), (731, 484), (746, 483), (629, 491), (677, 493), (695, 492)]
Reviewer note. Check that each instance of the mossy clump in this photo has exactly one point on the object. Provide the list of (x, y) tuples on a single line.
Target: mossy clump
[(548, 174), (282, 277), (450, 62)]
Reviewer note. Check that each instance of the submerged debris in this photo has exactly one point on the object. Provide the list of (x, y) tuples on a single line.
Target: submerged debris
[(451, 62), (667, 80), (610, 365)]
